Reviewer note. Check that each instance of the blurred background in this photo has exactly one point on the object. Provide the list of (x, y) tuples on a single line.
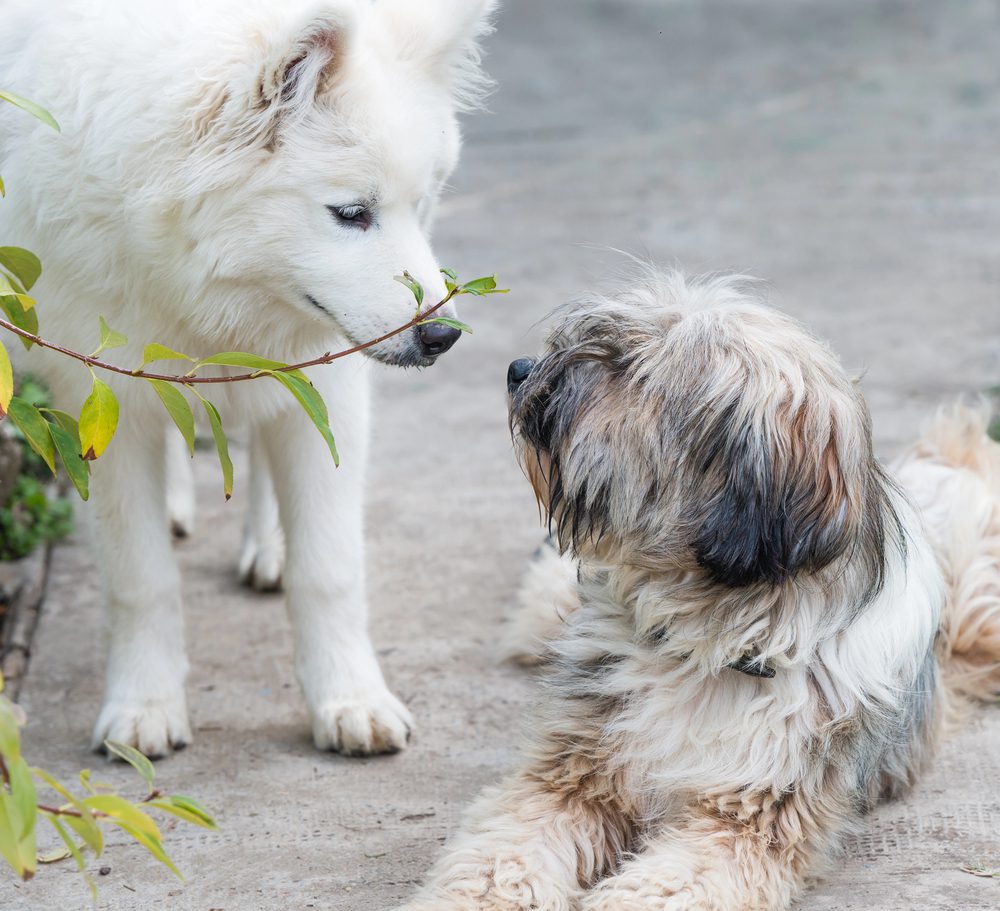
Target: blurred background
[(848, 152)]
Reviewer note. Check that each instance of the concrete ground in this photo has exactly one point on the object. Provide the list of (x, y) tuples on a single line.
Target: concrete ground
[(848, 152)]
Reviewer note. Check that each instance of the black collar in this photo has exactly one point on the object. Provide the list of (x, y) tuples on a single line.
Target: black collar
[(751, 666)]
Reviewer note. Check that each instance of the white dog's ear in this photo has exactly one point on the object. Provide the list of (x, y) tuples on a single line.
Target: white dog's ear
[(443, 37), (303, 60)]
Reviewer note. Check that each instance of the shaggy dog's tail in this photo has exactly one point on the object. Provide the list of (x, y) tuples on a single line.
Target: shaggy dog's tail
[(953, 472)]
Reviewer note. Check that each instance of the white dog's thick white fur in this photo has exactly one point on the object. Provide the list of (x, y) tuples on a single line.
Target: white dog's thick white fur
[(236, 175), (769, 634)]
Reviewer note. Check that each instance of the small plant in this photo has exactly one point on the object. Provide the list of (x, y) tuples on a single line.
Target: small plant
[(78, 819), (30, 518), (32, 512)]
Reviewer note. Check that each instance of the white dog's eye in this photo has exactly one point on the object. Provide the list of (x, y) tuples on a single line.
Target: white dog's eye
[(355, 216)]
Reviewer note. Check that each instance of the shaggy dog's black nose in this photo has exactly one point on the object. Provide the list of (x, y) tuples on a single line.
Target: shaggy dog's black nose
[(437, 338), (518, 371)]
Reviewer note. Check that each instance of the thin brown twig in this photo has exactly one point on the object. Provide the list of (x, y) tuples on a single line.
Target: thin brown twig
[(155, 794), (185, 380)]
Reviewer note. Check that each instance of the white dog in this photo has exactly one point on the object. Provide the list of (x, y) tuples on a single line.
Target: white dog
[(768, 632), (237, 175)]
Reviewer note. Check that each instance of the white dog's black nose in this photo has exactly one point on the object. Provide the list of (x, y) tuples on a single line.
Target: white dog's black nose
[(437, 338), (518, 371)]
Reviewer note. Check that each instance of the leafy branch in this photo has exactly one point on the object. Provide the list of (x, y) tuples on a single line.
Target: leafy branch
[(79, 819), (79, 441)]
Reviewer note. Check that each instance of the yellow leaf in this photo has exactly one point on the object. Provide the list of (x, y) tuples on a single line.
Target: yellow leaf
[(98, 421), (6, 381)]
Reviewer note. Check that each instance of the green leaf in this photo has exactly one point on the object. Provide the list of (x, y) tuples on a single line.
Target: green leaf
[(20, 853), (313, 405), (3, 189), (98, 421), (221, 445), (21, 316), (416, 289), (34, 109), (67, 443), (131, 820), (186, 808), (121, 810), (35, 429), (23, 264), (482, 286), (22, 792), (158, 352), (450, 273), (152, 844), (85, 826), (88, 830), (10, 848), (109, 338), (74, 850), (447, 321), (240, 359), (178, 408), (6, 381), (134, 758), (10, 734)]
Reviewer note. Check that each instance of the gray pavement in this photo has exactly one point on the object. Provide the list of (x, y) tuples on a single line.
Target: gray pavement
[(846, 150)]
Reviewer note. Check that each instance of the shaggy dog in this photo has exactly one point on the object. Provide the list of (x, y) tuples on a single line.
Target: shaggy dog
[(770, 632), (242, 175)]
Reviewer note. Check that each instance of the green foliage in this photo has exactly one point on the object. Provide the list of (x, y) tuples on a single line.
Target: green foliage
[(78, 819), (29, 518)]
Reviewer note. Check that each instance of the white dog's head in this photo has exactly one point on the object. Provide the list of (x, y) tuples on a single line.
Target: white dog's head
[(322, 139)]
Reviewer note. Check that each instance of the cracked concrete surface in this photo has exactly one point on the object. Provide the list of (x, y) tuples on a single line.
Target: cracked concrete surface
[(847, 152)]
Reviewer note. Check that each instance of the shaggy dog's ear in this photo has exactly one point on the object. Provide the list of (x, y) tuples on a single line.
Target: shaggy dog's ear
[(787, 493), (442, 36)]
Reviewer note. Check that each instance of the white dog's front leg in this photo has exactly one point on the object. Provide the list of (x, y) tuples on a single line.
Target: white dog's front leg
[(352, 710), (144, 704)]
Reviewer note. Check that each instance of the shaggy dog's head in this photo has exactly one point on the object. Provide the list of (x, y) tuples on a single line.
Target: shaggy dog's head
[(683, 427), (318, 137)]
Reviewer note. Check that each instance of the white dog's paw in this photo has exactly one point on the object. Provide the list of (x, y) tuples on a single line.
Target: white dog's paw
[(362, 726), (262, 562), (152, 726), (181, 511)]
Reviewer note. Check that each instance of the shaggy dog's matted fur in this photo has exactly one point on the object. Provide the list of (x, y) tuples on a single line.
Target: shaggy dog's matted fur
[(770, 630)]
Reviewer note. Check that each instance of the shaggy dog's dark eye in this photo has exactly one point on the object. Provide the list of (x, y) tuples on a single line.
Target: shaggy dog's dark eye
[(355, 216)]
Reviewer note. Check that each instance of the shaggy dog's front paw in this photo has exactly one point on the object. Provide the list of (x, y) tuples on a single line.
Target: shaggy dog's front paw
[(152, 726), (363, 725)]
